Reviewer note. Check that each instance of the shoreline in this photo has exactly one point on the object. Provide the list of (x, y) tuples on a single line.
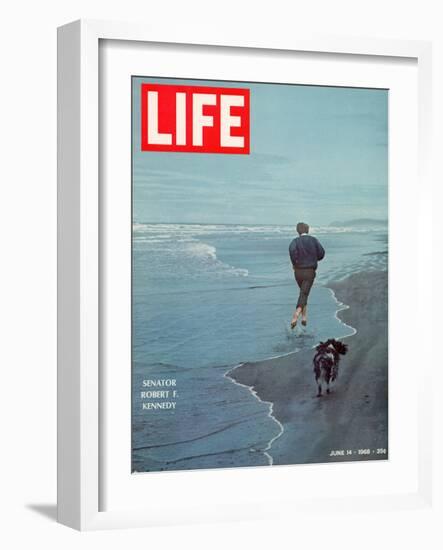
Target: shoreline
[(270, 415), (354, 416), (342, 307)]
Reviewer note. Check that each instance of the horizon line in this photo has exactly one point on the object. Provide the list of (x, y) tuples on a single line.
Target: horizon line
[(330, 224)]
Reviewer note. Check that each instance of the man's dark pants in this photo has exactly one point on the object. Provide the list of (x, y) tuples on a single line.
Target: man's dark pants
[(305, 279)]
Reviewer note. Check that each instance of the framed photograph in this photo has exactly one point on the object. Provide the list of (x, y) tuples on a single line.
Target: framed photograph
[(236, 220)]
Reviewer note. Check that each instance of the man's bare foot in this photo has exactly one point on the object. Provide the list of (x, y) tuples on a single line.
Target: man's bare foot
[(293, 323), (304, 322)]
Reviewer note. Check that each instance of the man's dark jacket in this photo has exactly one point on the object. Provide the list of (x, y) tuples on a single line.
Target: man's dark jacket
[(305, 251)]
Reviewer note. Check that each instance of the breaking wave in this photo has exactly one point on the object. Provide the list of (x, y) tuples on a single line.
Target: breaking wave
[(183, 231), (205, 256), (176, 249)]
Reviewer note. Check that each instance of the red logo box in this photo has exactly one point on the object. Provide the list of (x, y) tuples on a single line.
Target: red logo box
[(194, 119)]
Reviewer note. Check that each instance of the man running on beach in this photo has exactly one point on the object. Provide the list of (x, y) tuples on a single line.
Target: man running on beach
[(305, 251)]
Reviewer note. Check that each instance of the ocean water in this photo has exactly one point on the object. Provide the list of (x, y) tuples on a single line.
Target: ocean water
[(208, 297)]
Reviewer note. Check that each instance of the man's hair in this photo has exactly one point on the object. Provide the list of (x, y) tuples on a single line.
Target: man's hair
[(302, 228)]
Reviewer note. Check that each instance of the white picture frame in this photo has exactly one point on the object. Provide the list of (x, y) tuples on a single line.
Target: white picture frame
[(79, 263)]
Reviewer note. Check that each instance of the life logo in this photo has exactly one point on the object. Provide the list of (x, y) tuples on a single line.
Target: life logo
[(194, 119)]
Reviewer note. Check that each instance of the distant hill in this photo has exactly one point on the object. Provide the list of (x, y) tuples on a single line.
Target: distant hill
[(361, 222)]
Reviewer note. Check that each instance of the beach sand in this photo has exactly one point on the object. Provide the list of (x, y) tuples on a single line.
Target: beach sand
[(355, 415)]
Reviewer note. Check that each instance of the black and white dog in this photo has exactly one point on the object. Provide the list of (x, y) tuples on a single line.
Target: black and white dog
[(326, 362)]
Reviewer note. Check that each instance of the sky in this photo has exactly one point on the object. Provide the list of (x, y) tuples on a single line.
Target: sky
[(318, 154)]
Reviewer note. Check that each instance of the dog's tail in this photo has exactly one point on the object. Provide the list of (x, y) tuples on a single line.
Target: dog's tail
[(322, 346)]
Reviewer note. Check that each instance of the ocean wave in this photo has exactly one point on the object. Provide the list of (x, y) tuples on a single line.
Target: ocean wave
[(188, 257), (174, 230), (200, 249), (206, 254)]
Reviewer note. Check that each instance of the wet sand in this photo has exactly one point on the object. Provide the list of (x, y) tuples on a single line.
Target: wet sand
[(355, 415)]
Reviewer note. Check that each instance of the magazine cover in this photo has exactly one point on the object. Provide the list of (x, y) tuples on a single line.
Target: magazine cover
[(259, 274)]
